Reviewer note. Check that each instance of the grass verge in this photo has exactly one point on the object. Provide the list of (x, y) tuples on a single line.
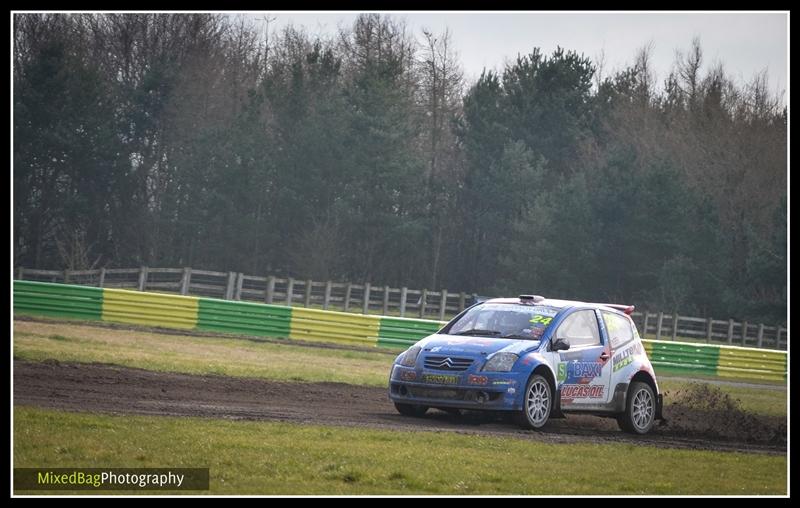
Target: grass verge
[(763, 401), (198, 355), (278, 458)]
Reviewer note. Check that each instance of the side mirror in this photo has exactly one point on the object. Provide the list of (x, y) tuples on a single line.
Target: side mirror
[(559, 345)]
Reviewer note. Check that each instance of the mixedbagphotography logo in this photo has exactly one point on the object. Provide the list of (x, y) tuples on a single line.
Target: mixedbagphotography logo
[(110, 478)]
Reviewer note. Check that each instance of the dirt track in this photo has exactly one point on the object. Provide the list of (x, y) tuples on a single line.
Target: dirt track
[(121, 390)]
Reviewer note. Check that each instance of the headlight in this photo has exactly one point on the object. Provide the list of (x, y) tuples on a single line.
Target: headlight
[(501, 362), (410, 357)]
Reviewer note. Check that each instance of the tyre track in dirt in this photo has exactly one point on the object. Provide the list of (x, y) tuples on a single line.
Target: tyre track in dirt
[(111, 389)]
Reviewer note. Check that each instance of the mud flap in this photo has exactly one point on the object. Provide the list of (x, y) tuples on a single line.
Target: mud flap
[(556, 412), (619, 400), (659, 408)]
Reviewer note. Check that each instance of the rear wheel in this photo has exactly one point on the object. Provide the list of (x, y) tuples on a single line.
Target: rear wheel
[(410, 409), (537, 404), (640, 409)]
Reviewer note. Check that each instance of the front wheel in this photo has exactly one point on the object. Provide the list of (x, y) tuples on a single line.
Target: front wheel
[(537, 404), (640, 409), (410, 409)]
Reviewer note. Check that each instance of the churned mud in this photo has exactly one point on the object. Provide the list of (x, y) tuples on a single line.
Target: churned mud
[(704, 410), (701, 417)]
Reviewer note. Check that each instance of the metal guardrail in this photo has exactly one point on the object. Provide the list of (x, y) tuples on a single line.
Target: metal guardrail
[(366, 298), (188, 312), (382, 300), (209, 314)]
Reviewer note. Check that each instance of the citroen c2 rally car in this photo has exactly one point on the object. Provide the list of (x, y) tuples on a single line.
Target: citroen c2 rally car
[(536, 357)]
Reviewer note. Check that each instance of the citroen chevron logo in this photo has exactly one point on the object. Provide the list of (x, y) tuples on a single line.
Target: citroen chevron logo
[(447, 363)]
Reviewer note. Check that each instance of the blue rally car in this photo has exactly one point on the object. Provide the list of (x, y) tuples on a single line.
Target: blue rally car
[(539, 358)]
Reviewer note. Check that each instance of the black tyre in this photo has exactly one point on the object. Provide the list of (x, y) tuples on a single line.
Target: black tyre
[(640, 409), (537, 403), (410, 409)]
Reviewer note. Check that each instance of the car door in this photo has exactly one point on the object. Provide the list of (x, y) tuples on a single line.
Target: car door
[(621, 345), (584, 370)]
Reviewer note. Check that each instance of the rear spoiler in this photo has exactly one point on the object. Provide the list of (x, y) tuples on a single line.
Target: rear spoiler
[(627, 309)]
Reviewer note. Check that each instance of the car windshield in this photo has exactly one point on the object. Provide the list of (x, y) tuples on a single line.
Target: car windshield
[(504, 320)]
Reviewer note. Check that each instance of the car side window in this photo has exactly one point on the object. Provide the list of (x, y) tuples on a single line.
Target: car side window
[(580, 329), (618, 328)]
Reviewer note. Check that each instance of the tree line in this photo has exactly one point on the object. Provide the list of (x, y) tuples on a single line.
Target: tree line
[(200, 140)]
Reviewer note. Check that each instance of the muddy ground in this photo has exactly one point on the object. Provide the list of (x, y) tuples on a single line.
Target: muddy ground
[(700, 417)]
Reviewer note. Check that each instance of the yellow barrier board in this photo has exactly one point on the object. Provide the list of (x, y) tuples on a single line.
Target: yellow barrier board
[(743, 373), (312, 324), (154, 309), (751, 364)]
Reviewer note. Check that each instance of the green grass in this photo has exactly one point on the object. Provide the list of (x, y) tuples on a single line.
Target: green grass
[(770, 402), (766, 383), (279, 458), (35, 340), (198, 355)]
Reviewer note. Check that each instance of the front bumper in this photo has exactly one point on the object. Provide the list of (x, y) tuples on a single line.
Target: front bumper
[(500, 391)]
